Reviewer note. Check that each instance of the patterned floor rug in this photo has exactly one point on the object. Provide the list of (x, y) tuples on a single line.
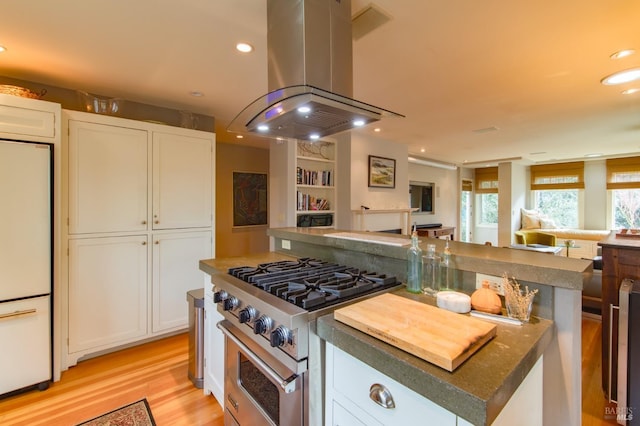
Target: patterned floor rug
[(135, 414)]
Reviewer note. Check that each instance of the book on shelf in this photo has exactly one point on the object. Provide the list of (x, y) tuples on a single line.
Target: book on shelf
[(314, 177), (307, 202)]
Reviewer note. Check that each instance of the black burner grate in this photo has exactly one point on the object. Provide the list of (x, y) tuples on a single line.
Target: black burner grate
[(312, 283)]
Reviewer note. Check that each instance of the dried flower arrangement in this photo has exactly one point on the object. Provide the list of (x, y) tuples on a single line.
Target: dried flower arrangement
[(517, 301)]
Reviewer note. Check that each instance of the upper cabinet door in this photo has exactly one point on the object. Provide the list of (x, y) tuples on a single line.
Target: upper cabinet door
[(182, 181), (107, 178)]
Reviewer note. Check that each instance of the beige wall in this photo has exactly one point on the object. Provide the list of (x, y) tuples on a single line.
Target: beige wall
[(239, 241)]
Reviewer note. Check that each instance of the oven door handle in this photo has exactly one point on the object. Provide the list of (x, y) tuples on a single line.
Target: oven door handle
[(288, 384)]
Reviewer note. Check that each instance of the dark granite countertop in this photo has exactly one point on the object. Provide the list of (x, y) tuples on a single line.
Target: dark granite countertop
[(478, 389), (542, 268)]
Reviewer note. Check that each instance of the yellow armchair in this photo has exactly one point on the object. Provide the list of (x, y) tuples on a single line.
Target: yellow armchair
[(535, 237)]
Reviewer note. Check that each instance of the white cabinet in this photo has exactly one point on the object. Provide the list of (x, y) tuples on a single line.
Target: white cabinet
[(175, 272), (139, 208), (315, 183), (107, 178), (182, 184), (108, 292), (213, 350), (350, 383), (26, 119)]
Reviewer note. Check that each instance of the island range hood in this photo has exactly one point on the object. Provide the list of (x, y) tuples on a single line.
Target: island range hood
[(310, 74)]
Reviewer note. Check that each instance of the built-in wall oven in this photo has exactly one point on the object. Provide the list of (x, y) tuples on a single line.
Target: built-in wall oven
[(628, 397), (273, 357)]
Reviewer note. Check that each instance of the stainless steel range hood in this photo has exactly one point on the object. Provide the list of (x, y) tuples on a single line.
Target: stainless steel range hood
[(310, 74)]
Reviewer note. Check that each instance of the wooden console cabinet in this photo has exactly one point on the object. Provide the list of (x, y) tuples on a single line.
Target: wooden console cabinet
[(440, 231), (620, 260)]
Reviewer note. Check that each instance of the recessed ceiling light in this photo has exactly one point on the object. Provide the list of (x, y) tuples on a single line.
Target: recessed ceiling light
[(422, 150), (358, 123), (263, 128), (3, 49), (244, 47), (631, 91), (196, 94), (622, 53), (304, 109), (377, 129), (239, 136), (622, 77), (314, 136)]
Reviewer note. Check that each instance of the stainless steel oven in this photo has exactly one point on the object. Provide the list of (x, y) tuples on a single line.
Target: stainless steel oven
[(273, 358), (259, 389)]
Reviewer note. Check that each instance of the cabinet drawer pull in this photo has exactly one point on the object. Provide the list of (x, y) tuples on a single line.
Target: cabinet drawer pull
[(18, 313), (144, 243), (381, 396), (144, 222)]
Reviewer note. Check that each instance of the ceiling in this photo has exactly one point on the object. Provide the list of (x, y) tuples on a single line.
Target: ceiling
[(478, 81)]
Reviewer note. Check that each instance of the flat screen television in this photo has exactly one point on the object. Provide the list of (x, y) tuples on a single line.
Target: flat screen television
[(421, 196)]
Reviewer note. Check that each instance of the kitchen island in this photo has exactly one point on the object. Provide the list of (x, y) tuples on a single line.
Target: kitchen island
[(476, 391), (558, 279)]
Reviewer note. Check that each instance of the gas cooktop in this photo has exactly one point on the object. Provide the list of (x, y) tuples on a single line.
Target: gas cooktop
[(311, 283)]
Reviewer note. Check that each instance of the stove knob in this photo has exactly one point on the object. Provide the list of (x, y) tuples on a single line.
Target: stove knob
[(262, 325), (247, 314), (219, 296), (230, 303), (280, 336)]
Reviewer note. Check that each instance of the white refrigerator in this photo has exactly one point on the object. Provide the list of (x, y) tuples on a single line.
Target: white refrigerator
[(25, 265)]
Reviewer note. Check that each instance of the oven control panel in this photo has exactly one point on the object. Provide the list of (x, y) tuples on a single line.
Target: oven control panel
[(259, 324)]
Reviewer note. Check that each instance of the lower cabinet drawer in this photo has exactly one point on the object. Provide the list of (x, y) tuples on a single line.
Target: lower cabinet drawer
[(353, 380), (25, 333), (342, 417)]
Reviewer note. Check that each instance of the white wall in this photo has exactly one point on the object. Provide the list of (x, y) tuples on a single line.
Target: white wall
[(378, 198)]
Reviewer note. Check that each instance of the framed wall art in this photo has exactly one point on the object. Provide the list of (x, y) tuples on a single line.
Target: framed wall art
[(382, 172), (249, 199)]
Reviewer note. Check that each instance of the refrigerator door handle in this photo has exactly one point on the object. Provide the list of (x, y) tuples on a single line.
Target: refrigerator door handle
[(17, 313)]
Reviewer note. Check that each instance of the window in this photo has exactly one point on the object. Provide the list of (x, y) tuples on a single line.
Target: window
[(557, 192), (623, 183), (562, 206), (488, 209), (487, 195)]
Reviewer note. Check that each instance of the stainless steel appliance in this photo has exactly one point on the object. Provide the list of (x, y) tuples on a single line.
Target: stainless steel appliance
[(25, 265), (310, 74), (628, 397), (273, 358), (195, 372)]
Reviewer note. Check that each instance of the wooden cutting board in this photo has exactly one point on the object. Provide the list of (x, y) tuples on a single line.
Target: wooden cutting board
[(440, 337)]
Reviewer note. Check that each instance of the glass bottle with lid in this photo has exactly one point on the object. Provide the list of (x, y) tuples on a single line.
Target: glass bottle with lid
[(430, 271), (414, 265), (447, 269)]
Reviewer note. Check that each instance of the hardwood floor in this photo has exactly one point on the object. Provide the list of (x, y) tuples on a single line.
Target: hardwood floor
[(593, 399), (158, 371)]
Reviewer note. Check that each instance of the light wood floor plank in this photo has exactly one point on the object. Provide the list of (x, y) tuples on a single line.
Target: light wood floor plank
[(156, 371)]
